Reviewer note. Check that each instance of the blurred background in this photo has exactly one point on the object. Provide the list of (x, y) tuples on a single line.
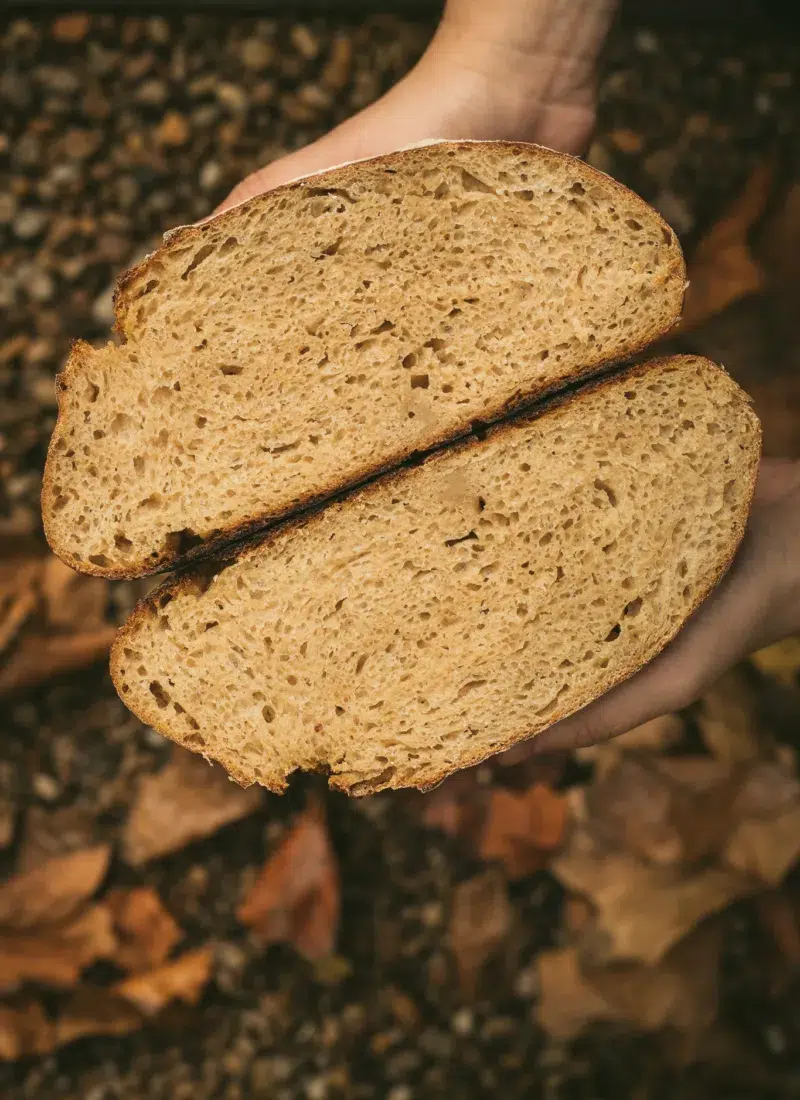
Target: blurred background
[(624, 922)]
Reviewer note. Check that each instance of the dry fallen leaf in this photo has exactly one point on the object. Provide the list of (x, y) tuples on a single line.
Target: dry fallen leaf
[(95, 1011), (722, 268), (523, 829), (184, 979), (56, 954), (480, 922), (52, 892), (780, 661), (456, 807), (728, 717), (187, 800), (51, 619), (295, 899), (680, 992), (47, 931), (145, 931), (24, 1030)]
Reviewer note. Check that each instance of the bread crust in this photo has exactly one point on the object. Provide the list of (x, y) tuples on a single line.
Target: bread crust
[(341, 176), (427, 780)]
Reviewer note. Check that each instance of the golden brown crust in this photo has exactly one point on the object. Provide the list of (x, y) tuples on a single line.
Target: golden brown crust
[(125, 296), (426, 781)]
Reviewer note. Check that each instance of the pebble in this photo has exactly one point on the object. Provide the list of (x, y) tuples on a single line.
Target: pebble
[(152, 92), (8, 207), (158, 30), (463, 1021), (232, 96), (305, 41), (337, 68), (29, 223), (45, 787), (210, 175), (71, 28), (316, 1088), (40, 285), (645, 41), (400, 1092), (173, 130), (256, 54), (58, 80)]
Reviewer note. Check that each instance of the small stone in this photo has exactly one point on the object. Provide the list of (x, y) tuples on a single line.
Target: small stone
[(40, 285), (158, 30), (314, 96), (58, 80), (29, 223), (8, 207), (305, 41), (316, 1088), (645, 41), (627, 141), (400, 1092), (173, 129), (337, 68), (526, 983), (45, 787), (697, 124), (763, 103), (232, 96), (210, 175), (152, 92), (127, 191), (463, 1022), (256, 54), (80, 144), (72, 28)]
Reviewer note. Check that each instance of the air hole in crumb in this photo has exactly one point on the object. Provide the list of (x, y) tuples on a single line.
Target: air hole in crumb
[(98, 434), (98, 559), (123, 544), (201, 421), (201, 254), (614, 633), (462, 538), (729, 492), (546, 538), (94, 392), (633, 608), (120, 422), (268, 713), (228, 245), (181, 542), (362, 660), (420, 381), (211, 625), (158, 693), (230, 369), (409, 360), (604, 487), (633, 224)]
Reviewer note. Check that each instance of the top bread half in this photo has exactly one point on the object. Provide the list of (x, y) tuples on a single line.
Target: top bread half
[(328, 329)]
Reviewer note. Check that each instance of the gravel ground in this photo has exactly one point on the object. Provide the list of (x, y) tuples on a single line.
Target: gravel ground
[(114, 130)]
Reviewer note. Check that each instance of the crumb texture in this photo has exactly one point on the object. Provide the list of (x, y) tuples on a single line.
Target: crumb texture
[(331, 328), (446, 612)]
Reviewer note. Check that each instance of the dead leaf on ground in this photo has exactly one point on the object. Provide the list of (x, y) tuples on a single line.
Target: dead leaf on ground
[(51, 619), (145, 931), (728, 718), (457, 807), (722, 268), (780, 661), (24, 1030), (184, 980), (480, 923), (656, 735), (93, 1010), (52, 892), (295, 899), (185, 801), (523, 829), (56, 954), (680, 992)]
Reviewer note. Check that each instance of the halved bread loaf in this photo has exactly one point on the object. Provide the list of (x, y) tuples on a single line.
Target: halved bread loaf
[(334, 326), (452, 609)]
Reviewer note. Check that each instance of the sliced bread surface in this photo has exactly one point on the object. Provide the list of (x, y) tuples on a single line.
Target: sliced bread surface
[(330, 328), (449, 610)]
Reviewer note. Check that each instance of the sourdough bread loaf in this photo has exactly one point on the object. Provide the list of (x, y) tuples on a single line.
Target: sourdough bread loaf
[(450, 610), (332, 327)]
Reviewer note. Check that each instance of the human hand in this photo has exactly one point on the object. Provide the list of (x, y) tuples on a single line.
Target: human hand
[(516, 69), (757, 603)]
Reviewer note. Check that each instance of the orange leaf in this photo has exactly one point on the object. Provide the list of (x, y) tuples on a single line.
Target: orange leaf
[(181, 980), (188, 799), (522, 829), (723, 269), (296, 897), (145, 931), (56, 954), (24, 1030), (95, 1011), (479, 924), (53, 891)]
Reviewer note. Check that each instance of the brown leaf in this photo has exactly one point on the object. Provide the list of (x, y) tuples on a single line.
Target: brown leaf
[(52, 892), (723, 268), (95, 1011), (24, 1030), (680, 992), (642, 911), (456, 807), (728, 717), (780, 661), (567, 1003), (765, 849), (296, 897), (523, 829), (38, 658), (181, 980), (145, 931), (480, 922), (56, 954), (72, 602), (188, 799), (778, 913), (18, 597)]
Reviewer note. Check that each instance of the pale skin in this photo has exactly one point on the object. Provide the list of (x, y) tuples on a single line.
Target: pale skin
[(525, 70)]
